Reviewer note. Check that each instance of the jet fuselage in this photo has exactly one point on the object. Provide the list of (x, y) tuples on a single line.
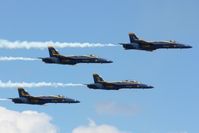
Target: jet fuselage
[(138, 44), (72, 60), (118, 85), (56, 58), (150, 46), (42, 100), (26, 98)]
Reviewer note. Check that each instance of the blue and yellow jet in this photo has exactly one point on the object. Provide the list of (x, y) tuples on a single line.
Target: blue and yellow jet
[(137, 44), (26, 98), (56, 58), (99, 83)]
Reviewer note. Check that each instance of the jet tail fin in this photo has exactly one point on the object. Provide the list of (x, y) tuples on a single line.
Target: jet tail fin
[(22, 92), (133, 37), (52, 51), (97, 78)]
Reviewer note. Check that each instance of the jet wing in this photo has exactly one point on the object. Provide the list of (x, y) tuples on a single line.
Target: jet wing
[(149, 46), (67, 57), (111, 85), (146, 44), (37, 100)]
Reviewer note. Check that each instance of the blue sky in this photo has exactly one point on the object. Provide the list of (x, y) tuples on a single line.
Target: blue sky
[(171, 107)]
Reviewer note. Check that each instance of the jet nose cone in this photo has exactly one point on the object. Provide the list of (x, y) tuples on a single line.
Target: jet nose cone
[(106, 61), (77, 101), (109, 61), (149, 87), (186, 46)]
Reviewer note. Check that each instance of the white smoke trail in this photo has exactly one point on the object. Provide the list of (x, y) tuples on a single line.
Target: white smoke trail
[(17, 58), (42, 45), (4, 99), (10, 84)]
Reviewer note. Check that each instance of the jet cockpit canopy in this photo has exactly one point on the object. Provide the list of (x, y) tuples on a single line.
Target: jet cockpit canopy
[(91, 55), (172, 41), (60, 96)]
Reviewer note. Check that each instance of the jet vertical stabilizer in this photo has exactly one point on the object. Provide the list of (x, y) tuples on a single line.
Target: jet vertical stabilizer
[(52, 51), (97, 78), (133, 37), (23, 93)]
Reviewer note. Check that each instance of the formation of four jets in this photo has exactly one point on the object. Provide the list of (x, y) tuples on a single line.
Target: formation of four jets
[(99, 83)]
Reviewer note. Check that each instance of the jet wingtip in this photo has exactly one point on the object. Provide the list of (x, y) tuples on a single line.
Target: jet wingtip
[(130, 33), (50, 46), (94, 73), (77, 101)]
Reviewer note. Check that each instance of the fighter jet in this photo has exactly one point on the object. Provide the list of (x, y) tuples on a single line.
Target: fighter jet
[(99, 83), (56, 58), (26, 98), (136, 43)]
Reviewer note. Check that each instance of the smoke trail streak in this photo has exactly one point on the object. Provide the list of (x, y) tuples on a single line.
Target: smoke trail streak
[(42, 45), (4, 99), (17, 58), (11, 84)]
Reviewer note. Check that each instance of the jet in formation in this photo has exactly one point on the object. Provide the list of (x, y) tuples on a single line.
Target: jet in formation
[(56, 58), (138, 44), (26, 98), (99, 83)]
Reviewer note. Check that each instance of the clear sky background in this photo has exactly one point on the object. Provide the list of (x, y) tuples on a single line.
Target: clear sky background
[(171, 107)]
